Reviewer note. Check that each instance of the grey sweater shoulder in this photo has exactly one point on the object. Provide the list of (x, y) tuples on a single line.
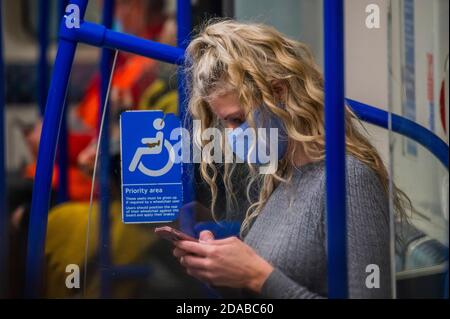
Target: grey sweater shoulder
[(290, 233)]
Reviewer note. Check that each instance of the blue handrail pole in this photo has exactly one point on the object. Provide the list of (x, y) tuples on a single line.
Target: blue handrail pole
[(4, 220), (105, 160), (63, 147), (184, 23), (99, 36), (403, 126), (335, 148), (184, 26), (43, 27), (46, 158)]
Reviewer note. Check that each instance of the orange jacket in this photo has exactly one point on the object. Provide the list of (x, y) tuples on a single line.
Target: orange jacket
[(133, 74)]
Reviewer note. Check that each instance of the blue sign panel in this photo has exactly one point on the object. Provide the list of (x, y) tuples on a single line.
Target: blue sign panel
[(151, 175)]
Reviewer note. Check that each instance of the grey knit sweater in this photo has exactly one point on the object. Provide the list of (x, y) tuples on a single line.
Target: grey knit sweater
[(290, 233)]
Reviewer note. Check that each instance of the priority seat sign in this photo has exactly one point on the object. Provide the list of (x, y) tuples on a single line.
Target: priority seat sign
[(151, 175)]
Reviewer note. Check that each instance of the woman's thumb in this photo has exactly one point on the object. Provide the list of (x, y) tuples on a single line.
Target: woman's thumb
[(205, 236)]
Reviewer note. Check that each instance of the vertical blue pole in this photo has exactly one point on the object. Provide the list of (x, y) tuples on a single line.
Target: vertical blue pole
[(46, 158), (42, 78), (4, 220), (184, 25), (105, 69), (335, 148), (63, 147)]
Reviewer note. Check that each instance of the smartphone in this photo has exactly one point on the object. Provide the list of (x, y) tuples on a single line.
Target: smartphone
[(172, 234)]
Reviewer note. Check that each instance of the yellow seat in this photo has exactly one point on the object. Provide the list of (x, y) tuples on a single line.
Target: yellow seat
[(65, 244)]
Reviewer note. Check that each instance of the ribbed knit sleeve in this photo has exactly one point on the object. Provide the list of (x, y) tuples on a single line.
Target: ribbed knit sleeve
[(367, 233), (367, 242), (280, 286)]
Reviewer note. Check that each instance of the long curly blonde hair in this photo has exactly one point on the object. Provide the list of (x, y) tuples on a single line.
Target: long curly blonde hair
[(248, 58)]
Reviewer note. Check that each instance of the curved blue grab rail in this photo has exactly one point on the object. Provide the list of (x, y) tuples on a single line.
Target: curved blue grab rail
[(96, 35), (46, 158), (100, 36), (404, 127)]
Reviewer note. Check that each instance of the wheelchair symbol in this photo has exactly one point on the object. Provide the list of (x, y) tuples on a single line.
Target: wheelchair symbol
[(154, 145)]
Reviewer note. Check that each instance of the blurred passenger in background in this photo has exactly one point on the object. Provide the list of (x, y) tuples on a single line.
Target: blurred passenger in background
[(138, 83)]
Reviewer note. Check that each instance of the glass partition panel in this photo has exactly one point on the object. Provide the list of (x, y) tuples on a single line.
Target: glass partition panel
[(421, 237), (418, 54), (128, 260)]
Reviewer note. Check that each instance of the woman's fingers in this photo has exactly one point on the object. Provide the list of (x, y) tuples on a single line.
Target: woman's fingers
[(194, 248), (190, 261), (179, 252)]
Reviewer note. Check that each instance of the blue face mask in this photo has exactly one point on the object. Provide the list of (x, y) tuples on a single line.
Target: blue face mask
[(269, 142)]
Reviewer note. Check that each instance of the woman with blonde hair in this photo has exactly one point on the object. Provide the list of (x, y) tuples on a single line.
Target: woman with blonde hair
[(250, 75)]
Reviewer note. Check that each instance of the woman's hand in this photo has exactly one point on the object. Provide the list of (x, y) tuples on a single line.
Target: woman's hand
[(225, 262)]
